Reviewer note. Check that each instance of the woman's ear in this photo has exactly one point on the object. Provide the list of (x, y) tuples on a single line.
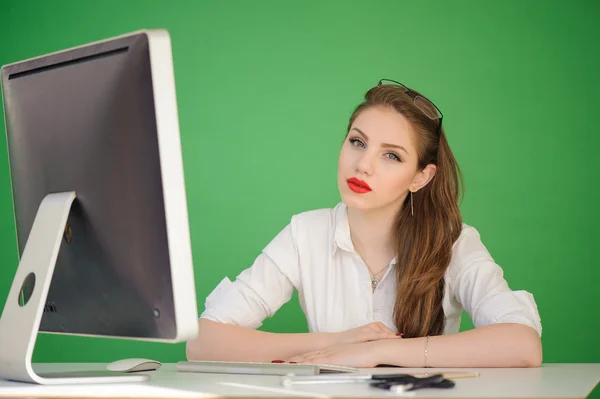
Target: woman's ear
[(423, 177)]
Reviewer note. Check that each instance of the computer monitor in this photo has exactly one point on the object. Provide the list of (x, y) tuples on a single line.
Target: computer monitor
[(99, 201)]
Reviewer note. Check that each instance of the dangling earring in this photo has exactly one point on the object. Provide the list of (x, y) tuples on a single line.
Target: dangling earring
[(412, 212)]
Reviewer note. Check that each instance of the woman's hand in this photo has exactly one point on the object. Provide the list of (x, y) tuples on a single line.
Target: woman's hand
[(364, 354), (370, 332), (353, 348)]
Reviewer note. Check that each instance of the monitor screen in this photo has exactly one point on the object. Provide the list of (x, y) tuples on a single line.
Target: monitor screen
[(101, 120)]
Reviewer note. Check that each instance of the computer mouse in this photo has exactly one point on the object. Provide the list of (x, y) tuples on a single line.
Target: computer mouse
[(133, 364)]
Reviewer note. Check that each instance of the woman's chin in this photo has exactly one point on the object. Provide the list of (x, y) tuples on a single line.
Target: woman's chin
[(357, 201)]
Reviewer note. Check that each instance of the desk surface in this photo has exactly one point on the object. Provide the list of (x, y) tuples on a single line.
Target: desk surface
[(547, 381)]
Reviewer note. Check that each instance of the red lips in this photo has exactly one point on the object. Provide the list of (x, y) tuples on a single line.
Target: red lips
[(358, 186)]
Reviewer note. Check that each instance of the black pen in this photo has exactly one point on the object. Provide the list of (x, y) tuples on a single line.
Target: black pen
[(410, 383)]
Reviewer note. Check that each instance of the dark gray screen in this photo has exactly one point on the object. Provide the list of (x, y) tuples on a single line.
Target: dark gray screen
[(84, 121)]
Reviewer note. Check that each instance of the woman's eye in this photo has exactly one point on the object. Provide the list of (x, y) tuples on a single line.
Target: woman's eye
[(390, 155), (357, 143), (393, 156)]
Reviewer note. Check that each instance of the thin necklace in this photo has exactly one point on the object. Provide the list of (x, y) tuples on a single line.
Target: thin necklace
[(374, 279)]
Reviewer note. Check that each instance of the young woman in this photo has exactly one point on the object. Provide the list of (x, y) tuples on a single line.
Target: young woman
[(384, 276)]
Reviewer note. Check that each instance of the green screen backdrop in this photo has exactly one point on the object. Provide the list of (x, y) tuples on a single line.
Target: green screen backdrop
[(265, 90)]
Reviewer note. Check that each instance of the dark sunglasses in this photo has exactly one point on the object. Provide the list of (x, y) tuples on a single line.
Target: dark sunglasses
[(422, 103)]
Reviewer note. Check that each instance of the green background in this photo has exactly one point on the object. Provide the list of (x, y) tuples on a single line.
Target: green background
[(265, 90)]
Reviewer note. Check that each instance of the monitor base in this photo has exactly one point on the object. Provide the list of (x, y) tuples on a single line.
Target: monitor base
[(24, 307)]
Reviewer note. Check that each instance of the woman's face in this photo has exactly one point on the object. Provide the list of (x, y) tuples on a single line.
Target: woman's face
[(378, 161)]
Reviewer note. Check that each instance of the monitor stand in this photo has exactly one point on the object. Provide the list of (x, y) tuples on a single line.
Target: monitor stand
[(20, 321)]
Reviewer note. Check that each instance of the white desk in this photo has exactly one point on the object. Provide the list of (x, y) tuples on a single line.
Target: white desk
[(548, 381)]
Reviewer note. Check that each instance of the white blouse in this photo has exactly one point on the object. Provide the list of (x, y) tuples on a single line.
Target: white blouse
[(314, 255)]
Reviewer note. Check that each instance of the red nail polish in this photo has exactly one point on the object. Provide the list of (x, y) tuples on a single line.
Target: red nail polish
[(277, 361), (293, 362), (400, 335)]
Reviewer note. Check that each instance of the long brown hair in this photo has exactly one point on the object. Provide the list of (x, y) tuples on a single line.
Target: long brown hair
[(424, 240)]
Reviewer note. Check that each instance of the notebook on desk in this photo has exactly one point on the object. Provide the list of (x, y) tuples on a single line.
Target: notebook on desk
[(204, 366)]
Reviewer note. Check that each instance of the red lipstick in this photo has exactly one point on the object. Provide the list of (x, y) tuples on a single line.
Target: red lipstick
[(358, 186)]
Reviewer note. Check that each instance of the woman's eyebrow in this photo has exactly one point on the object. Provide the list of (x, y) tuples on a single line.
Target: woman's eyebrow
[(385, 145)]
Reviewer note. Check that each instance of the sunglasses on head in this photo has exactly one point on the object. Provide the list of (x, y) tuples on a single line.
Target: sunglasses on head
[(422, 103)]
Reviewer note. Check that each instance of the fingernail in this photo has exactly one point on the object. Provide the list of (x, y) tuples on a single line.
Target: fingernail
[(400, 335), (277, 361), (293, 362)]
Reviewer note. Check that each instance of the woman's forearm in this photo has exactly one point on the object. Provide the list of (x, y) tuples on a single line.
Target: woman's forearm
[(226, 342), (497, 345)]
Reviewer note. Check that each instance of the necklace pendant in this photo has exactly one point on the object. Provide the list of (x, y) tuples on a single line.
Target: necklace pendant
[(374, 283)]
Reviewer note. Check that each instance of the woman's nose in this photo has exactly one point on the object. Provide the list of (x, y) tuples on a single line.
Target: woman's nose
[(365, 164)]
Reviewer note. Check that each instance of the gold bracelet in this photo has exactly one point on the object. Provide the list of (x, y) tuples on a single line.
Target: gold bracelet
[(426, 342)]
